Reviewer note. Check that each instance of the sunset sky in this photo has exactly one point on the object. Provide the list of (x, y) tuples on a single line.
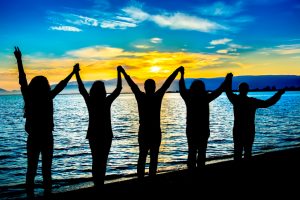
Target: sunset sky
[(149, 38)]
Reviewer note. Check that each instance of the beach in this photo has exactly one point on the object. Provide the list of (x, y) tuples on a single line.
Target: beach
[(269, 174)]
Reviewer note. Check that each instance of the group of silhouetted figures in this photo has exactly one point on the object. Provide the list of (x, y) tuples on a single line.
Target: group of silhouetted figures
[(38, 98)]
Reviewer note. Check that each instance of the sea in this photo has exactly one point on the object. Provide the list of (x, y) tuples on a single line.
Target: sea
[(277, 128)]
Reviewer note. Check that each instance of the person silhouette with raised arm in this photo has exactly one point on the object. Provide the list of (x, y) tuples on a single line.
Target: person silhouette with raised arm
[(99, 131), (149, 106), (197, 101), (38, 98), (244, 108)]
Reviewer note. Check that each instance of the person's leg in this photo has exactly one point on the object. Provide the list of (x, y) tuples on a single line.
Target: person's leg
[(192, 153), (142, 160), (33, 152), (47, 156), (154, 150), (95, 161), (104, 152), (248, 145), (238, 145), (202, 152)]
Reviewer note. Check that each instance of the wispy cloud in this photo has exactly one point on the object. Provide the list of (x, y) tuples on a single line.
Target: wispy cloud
[(136, 14), (220, 41), (182, 21), (287, 49), (131, 16), (155, 40), (65, 28), (113, 24), (222, 51), (141, 46), (221, 9)]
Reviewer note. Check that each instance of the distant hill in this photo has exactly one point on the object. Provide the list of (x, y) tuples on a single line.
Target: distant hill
[(255, 82)]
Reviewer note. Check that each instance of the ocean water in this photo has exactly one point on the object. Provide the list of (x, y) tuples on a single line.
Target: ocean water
[(277, 127)]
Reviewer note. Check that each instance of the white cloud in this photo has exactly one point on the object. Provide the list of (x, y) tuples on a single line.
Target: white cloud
[(70, 18), (83, 20), (112, 24), (97, 52), (221, 9), (65, 28), (287, 49), (136, 14), (155, 40), (181, 21), (222, 51), (210, 47), (220, 41), (238, 46), (141, 46)]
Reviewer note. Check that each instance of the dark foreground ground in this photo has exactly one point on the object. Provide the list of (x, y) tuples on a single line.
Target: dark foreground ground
[(274, 174)]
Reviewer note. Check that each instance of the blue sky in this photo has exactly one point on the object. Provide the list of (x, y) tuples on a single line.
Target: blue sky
[(240, 36)]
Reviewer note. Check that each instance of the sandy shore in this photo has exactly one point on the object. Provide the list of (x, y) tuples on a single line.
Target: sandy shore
[(270, 174)]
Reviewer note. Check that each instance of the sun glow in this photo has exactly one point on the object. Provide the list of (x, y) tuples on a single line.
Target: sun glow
[(155, 69)]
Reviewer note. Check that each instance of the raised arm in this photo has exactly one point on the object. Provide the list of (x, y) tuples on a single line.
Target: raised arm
[(214, 94), (182, 87), (135, 89), (22, 75), (81, 87), (168, 82), (62, 84), (228, 88), (118, 89), (271, 101)]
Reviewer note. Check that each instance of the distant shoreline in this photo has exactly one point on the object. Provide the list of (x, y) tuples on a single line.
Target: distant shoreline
[(72, 93)]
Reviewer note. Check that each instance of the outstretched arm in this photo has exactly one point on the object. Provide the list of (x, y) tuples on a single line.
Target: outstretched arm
[(135, 89), (168, 82), (22, 75), (118, 89), (81, 87), (62, 84), (216, 93), (271, 101), (228, 86), (182, 87)]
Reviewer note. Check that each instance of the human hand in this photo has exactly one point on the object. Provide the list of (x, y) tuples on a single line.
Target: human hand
[(18, 53), (120, 69), (76, 68)]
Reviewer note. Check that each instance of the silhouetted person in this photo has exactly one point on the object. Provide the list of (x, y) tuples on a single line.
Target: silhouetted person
[(149, 106), (244, 108), (99, 131), (197, 101), (38, 98)]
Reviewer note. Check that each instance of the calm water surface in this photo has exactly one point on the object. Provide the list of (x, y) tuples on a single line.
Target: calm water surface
[(277, 127)]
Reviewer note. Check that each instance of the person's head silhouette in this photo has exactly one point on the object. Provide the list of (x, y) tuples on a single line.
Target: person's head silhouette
[(97, 90), (197, 87), (149, 86), (243, 89), (39, 86)]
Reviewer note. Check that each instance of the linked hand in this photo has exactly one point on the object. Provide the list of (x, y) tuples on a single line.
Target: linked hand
[(120, 69), (76, 68), (229, 75), (17, 53)]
